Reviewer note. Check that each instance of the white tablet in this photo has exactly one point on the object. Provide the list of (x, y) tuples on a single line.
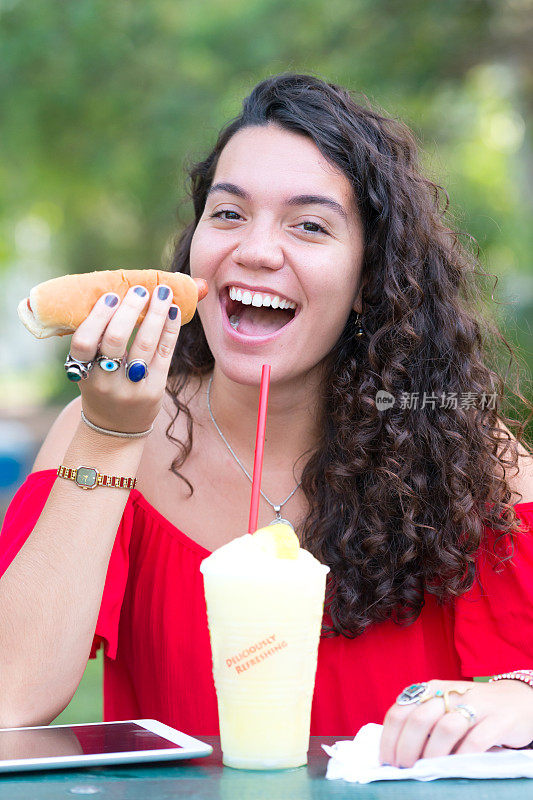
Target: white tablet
[(94, 744)]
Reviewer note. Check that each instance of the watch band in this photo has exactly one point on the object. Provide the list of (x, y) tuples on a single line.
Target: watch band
[(90, 478)]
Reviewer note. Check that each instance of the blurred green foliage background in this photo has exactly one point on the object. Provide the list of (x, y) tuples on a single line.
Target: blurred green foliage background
[(105, 103)]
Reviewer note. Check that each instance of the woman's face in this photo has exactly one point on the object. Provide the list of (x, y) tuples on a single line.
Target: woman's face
[(279, 228)]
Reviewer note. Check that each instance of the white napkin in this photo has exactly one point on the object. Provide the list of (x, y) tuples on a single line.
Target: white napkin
[(357, 761)]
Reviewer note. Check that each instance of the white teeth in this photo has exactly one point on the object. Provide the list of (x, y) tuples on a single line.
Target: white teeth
[(234, 321), (258, 300)]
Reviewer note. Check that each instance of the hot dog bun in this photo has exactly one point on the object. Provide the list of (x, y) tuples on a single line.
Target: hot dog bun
[(58, 306)]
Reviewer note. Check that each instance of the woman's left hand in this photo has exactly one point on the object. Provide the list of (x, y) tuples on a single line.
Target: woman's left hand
[(503, 716)]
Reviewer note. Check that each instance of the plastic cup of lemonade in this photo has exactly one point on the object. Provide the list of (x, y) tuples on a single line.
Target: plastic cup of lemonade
[(265, 599)]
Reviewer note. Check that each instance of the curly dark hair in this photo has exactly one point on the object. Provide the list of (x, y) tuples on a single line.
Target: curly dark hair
[(397, 498)]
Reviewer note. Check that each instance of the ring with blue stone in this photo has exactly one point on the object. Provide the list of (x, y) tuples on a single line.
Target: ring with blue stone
[(109, 364), (413, 694), (136, 370), (77, 370)]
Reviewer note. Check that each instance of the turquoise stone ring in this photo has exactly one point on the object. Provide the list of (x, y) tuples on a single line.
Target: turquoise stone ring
[(412, 694), (77, 370), (136, 370)]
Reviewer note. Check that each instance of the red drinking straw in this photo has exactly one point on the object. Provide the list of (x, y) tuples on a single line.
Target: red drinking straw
[(259, 448)]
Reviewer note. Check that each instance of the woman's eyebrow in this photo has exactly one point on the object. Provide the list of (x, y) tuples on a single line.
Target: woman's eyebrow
[(297, 200), (318, 200)]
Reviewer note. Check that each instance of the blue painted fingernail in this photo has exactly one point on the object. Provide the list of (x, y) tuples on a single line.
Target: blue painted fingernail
[(111, 300), (172, 312), (163, 292), (140, 290)]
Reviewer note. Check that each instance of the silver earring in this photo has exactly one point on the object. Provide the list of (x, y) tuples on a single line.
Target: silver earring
[(358, 326)]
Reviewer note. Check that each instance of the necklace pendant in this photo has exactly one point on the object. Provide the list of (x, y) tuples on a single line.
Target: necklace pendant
[(234, 321), (279, 519)]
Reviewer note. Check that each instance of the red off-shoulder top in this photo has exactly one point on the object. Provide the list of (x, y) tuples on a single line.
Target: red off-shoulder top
[(157, 657)]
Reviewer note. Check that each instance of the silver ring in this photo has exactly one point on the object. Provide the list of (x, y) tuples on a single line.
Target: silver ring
[(77, 370), (412, 694), (109, 364), (136, 370), (466, 711)]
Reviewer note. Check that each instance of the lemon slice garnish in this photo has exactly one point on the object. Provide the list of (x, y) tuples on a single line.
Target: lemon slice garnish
[(279, 540)]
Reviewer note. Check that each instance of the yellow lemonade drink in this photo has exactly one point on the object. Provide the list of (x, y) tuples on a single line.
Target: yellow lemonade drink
[(265, 598)]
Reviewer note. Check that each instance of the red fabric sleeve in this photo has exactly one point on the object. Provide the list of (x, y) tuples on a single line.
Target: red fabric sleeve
[(21, 517), (494, 620)]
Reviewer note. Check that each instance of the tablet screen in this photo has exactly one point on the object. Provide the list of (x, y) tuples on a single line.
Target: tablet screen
[(115, 737)]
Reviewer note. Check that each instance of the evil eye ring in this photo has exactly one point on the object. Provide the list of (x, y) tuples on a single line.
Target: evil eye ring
[(109, 364)]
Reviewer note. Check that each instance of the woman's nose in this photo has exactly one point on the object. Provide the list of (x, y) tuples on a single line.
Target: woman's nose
[(259, 250)]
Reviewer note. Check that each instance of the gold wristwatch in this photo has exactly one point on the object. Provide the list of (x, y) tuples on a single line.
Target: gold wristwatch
[(89, 478)]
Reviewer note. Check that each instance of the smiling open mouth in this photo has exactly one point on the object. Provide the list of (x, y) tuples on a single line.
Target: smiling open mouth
[(257, 313)]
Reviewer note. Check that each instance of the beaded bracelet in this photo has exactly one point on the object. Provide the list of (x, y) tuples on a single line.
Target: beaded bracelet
[(524, 675)]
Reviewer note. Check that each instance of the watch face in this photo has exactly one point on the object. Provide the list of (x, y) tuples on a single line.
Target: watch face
[(86, 477)]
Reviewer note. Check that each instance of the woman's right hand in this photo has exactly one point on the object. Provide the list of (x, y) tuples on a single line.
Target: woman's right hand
[(109, 399)]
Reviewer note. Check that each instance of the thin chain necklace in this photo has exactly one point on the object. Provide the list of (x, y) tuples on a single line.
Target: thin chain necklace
[(277, 508)]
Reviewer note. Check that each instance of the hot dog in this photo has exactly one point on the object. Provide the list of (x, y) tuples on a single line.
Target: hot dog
[(58, 306)]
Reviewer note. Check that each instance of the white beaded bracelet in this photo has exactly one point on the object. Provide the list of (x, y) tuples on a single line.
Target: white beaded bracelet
[(116, 433), (524, 675)]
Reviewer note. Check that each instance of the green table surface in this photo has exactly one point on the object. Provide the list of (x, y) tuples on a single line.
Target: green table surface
[(207, 778)]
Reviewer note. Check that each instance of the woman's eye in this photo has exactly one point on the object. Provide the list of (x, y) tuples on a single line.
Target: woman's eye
[(225, 211), (317, 228)]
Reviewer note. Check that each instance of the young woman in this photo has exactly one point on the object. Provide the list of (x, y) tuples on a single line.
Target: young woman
[(328, 257)]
